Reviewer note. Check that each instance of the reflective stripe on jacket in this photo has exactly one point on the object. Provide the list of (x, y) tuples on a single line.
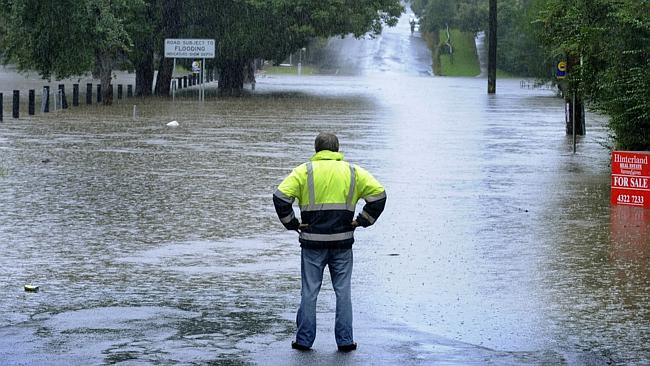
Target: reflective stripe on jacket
[(327, 189)]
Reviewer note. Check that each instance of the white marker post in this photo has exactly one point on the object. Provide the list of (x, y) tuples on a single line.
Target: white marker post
[(203, 79)]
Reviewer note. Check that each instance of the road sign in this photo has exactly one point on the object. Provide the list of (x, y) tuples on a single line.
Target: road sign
[(189, 48), (631, 178), (560, 73)]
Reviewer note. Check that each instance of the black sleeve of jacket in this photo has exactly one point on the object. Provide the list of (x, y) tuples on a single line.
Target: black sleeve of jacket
[(284, 209), (373, 210)]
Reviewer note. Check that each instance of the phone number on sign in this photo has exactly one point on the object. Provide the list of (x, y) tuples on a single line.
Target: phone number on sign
[(626, 198)]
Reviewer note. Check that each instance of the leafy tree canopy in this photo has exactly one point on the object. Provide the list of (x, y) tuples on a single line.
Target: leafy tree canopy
[(63, 38), (609, 42)]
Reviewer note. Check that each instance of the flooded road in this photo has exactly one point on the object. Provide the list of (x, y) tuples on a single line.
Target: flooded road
[(157, 245)]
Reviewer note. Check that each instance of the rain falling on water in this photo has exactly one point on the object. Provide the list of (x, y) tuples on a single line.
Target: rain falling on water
[(158, 245)]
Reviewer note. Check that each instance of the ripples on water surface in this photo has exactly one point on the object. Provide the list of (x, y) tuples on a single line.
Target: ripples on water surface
[(161, 245)]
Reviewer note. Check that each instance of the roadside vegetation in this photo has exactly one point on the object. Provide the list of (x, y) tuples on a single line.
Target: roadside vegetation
[(291, 70), (606, 44), (463, 60)]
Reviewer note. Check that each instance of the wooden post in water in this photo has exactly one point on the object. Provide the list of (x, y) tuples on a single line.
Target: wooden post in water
[(64, 101), (575, 123), (16, 104), (75, 95), (45, 99), (89, 93), (32, 102), (492, 48)]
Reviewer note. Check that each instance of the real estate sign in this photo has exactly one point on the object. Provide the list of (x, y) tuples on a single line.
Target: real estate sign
[(631, 178)]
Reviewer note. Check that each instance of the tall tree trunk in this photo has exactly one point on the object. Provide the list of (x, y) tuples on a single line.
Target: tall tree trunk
[(144, 77), (104, 65), (144, 71), (171, 15), (492, 48), (163, 81), (231, 77)]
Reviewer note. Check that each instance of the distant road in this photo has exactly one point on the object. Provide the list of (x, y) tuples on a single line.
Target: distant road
[(395, 50)]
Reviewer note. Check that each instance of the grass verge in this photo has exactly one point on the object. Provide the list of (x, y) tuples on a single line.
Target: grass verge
[(288, 70), (464, 61)]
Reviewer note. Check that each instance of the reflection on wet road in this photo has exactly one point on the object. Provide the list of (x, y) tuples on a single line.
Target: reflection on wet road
[(155, 245)]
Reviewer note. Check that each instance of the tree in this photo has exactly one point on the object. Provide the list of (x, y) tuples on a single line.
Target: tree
[(144, 31), (65, 38), (171, 13), (612, 39), (520, 52)]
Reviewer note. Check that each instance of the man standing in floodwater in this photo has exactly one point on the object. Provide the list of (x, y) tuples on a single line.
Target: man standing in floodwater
[(327, 189)]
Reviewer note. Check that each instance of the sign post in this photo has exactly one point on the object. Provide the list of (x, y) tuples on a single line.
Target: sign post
[(197, 69), (191, 48), (631, 178)]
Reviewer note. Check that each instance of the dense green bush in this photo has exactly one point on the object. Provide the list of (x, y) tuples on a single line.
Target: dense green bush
[(612, 41)]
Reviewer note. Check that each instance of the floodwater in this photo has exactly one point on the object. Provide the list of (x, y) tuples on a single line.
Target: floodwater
[(160, 246)]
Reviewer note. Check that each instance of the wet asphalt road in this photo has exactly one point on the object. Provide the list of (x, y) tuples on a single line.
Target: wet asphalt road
[(160, 246)]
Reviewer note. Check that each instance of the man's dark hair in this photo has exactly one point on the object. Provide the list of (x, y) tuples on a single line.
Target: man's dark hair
[(326, 141)]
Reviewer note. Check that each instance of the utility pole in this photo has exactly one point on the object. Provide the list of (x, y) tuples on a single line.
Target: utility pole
[(492, 48)]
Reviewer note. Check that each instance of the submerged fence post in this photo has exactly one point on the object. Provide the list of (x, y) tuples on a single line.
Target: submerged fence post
[(45, 99), (16, 105), (75, 95), (32, 101), (89, 93), (99, 93), (129, 91), (64, 101)]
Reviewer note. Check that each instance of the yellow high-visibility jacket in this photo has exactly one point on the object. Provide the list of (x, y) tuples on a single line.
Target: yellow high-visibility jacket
[(327, 189)]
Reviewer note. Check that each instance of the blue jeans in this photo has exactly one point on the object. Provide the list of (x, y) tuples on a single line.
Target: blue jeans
[(313, 263)]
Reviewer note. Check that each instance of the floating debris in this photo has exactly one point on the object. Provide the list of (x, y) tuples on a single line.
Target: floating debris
[(31, 288)]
